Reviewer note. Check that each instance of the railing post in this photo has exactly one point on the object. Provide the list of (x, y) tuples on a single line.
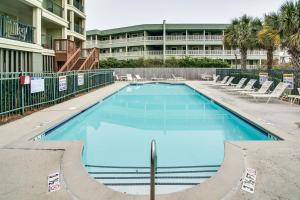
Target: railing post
[(153, 167), (22, 97)]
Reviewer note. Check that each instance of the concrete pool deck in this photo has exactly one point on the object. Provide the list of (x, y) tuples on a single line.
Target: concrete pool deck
[(24, 165)]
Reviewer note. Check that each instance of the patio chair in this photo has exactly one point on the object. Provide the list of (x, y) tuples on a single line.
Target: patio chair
[(129, 77), (177, 78), (229, 82), (277, 93), (248, 87), (236, 86), (138, 77), (295, 98), (265, 87), (215, 80)]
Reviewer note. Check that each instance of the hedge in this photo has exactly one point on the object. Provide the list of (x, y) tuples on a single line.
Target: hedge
[(171, 63)]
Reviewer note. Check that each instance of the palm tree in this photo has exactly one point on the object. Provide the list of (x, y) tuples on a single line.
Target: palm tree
[(242, 34), (289, 30), (269, 37)]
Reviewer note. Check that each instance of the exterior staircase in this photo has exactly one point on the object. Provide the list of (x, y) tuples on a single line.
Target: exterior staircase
[(70, 58)]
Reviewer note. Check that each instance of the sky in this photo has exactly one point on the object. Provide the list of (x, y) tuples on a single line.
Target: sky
[(106, 14)]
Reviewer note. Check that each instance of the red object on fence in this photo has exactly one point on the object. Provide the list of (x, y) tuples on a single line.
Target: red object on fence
[(24, 80)]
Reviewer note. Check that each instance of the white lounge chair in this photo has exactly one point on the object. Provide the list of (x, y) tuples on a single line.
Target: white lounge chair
[(129, 77), (138, 77), (229, 82), (248, 87), (277, 93), (225, 79), (265, 87), (214, 81), (177, 78), (236, 86), (295, 98)]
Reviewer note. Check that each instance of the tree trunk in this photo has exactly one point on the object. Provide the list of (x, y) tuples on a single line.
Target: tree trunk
[(244, 58), (270, 59), (295, 58)]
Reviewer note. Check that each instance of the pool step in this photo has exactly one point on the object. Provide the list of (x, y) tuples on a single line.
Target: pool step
[(140, 176)]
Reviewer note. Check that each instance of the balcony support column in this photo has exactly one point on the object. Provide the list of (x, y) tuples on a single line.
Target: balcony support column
[(126, 45), (145, 37), (71, 20), (37, 23), (164, 41), (186, 42)]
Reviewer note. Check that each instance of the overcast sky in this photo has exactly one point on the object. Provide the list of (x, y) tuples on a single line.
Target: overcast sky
[(106, 14)]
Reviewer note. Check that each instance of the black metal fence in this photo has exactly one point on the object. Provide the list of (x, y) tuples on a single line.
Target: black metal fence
[(52, 88), (274, 75)]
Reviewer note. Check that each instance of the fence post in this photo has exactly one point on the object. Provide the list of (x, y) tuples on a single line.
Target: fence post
[(88, 80), (22, 97), (74, 83)]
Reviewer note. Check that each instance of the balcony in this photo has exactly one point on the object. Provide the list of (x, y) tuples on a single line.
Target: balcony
[(15, 30), (53, 7), (180, 53), (78, 29), (78, 5), (47, 41), (174, 38)]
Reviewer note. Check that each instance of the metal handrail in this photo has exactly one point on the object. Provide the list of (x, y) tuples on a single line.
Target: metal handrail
[(153, 167)]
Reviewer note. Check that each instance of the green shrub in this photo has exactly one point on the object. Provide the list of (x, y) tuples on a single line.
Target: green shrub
[(172, 63)]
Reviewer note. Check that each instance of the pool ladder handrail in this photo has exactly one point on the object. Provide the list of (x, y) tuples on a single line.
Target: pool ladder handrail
[(153, 168)]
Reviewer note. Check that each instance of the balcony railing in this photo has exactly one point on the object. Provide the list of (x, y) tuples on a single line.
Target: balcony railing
[(47, 41), (78, 5), (13, 29), (78, 29), (201, 53), (53, 7), (160, 39), (176, 37)]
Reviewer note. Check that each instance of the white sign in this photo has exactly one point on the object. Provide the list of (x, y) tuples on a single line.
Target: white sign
[(263, 77), (80, 79), (289, 79), (37, 85), (53, 182), (248, 182), (62, 82)]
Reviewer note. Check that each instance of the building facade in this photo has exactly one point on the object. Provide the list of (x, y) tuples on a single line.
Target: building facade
[(28, 29), (163, 41)]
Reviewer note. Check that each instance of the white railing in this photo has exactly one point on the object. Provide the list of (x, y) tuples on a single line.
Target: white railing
[(152, 53), (159, 38), (214, 37), (135, 39), (121, 40), (154, 38), (195, 37), (176, 52), (196, 52), (176, 37), (181, 53), (135, 53)]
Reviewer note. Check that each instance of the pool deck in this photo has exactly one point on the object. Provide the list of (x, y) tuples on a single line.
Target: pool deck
[(24, 164)]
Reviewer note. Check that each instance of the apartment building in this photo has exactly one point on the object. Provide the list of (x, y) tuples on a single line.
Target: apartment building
[(163, 41), (33, 31)]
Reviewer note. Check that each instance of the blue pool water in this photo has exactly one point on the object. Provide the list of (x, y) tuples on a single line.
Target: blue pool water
[(189, 129)]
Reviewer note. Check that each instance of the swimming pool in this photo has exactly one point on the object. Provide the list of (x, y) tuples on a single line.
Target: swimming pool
[(189, 130)]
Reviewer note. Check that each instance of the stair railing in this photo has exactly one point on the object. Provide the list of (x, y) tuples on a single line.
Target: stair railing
[(71, 61), (91, 59), (153, 168)]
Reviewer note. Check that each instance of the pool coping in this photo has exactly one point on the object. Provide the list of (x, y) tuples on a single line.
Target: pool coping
[(75, 175)]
